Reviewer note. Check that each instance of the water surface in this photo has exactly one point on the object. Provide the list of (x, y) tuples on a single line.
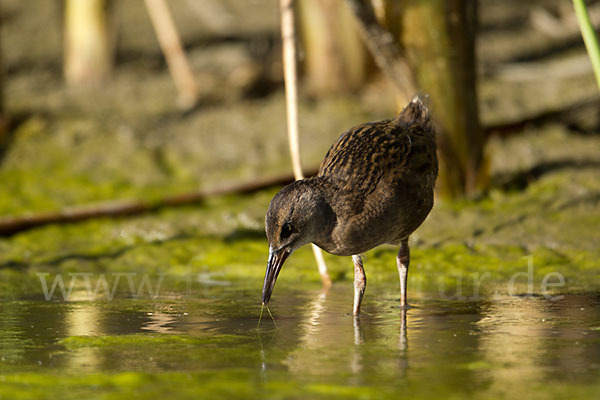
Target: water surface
[(207, 343)]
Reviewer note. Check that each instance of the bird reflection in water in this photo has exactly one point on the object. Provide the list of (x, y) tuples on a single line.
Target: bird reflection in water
[(329, 339)]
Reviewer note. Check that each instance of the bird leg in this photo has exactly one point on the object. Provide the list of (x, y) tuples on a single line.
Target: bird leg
[(360, 282), (402, 260)]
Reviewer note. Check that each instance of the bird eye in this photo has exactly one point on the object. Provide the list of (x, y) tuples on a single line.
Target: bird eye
[(286, 230)]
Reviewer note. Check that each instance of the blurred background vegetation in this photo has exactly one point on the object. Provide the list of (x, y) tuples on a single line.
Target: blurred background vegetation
[(91, 112), (103, 102)]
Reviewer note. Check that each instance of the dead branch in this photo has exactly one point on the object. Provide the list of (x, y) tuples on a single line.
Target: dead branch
[(385, 50), (170, 44), (288, 36), (11, 225)]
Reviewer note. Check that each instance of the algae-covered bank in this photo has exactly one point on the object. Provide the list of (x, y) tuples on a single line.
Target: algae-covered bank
[(504, 288)]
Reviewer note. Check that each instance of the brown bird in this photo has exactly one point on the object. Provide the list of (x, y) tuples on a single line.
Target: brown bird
[(374, 186)]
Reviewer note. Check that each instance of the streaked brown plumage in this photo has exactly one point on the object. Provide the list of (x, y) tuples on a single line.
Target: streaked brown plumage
[(374, 186)]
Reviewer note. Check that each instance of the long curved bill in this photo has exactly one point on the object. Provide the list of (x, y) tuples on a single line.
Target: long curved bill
[(276, 260)]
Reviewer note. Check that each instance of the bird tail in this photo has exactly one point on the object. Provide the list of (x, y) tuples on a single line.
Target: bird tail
[(416, 113)]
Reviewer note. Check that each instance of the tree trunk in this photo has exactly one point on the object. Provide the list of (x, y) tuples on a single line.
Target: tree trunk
[(439, 40), (88, 51), (335, 58)]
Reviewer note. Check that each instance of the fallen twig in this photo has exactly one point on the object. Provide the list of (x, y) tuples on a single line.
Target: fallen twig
[(12, 225)]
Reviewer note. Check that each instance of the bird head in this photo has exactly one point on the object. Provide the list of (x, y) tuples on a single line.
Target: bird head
[(297, 215)]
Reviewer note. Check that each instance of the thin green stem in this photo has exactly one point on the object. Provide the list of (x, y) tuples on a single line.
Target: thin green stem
[(589, 36)]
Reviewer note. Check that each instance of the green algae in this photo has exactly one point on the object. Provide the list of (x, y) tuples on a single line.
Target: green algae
[(100, 247), (76, 342), (234, 386)]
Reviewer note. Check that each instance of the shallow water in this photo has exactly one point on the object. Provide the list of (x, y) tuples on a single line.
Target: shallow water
[(207, 342)]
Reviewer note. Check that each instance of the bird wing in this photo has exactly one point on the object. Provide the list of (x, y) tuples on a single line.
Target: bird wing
[(361, 156), (380, 159)]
